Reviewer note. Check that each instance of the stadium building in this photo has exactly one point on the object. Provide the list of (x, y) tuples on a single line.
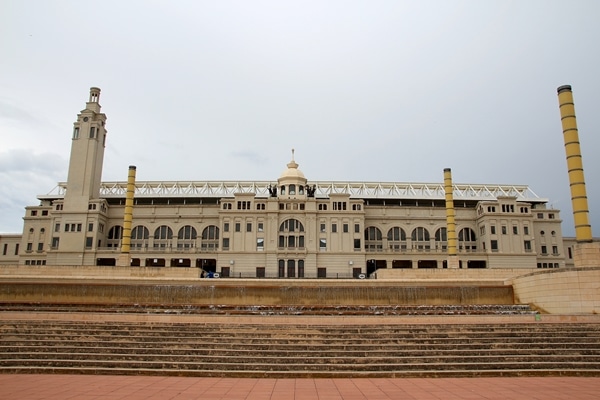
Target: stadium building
[(290, 227)]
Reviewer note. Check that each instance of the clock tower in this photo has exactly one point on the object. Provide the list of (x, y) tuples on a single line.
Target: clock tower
[(79, 220), (87, 155)]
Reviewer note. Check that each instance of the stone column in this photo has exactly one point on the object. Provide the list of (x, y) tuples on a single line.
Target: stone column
[(453, 261), (125, 257), (586, 252)]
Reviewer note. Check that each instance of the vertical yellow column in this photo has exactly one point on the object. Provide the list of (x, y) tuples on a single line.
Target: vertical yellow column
[(450, 222), (583, 229), (124, 259)]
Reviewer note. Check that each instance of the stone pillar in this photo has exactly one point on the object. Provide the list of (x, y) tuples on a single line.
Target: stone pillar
[(586, 252), (453, 261), (125, 257)]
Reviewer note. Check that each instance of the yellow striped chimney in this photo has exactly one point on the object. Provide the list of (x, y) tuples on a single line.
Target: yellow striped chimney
[(450, 223), (128, 215), (583, 229)]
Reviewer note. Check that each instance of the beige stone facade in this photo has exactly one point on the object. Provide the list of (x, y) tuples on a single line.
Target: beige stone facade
[(290, 227)]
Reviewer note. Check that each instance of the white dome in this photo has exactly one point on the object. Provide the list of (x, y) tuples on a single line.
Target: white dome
[(292, 171)]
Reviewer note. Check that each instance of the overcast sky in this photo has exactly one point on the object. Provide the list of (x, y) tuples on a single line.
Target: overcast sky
[(363, 90)]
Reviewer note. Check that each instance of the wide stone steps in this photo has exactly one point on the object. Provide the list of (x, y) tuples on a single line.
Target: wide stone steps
[(218, 309), (279, 350), (33, 351)]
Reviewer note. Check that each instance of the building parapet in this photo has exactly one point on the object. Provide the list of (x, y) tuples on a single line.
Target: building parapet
[(324, 189)]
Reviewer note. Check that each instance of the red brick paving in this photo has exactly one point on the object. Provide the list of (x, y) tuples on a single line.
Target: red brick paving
[(67, 387)]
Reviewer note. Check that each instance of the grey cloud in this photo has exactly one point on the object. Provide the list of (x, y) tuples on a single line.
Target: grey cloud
[(24, 161), (19, 114)]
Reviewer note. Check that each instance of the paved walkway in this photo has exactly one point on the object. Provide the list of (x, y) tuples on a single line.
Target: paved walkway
[(65, 387)]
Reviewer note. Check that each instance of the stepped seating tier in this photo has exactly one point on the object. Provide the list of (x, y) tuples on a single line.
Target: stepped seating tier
[(299, 350), (287, 309)]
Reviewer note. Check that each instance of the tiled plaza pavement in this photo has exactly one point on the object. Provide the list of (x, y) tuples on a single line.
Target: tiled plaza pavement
[(25, 387)]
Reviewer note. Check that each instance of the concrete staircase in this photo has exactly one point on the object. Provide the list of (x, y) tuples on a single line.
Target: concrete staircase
[(286, 309), (234, 348)]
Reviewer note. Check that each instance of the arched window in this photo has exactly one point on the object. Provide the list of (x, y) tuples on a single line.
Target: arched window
[(396, 239), (210, 238), (163, 232), (291, 234), (162, 236), (292, 189), (139, 236), (441, 239), (420, 238), (115, 234), (467, 240), (373, 239), (466, 235), (187, 232), (186, 237)]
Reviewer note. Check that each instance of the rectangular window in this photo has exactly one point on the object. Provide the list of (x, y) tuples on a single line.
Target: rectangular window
[(322, 244), (544, 250), (226, 227), (321, 272), (225, 243), (515, 230), (260, 227), (238, 227), (56, 227), (551, 216), (249, 227), (76, 133), (17, 249), (527, 246), (33, 213), (494, 245), (555, 250), (40, 246), (345, 228), (5, 249), (260, 244), (503, 230), (291, 268), (356, 228), (540, 216), (526, 230), (90, 227), (78, 227), (55, 242), (493, 229), (322, 227), (356, 244), (88, 242), (334, 228), (29, 247), (92, 132)]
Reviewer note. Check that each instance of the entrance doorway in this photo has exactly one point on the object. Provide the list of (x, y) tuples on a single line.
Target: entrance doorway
[(207, 264), (373, 265)]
